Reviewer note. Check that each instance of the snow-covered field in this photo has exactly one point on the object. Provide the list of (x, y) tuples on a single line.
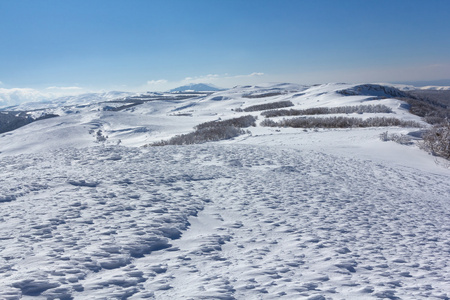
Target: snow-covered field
[(281, 213)]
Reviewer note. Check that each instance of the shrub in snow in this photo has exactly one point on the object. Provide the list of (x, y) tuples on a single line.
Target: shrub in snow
[(433, 120), (203, 135), (271, 94), (100, 137), (379, 108), (437, 140), (398, 138), (266, 106), (241, 122), (384, 136), (211, 131), (339, 122)]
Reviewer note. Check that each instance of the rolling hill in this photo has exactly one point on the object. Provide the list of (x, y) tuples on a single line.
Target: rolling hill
[(92, 209)]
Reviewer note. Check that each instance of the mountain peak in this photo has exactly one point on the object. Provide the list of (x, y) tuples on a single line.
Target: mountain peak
[(196, 87)]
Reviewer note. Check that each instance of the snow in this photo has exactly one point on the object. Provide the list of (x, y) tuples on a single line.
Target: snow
[(47, 101), (281, 213), (436, 88)]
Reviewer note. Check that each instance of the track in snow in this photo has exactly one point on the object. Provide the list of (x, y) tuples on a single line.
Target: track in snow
[(220, 222)]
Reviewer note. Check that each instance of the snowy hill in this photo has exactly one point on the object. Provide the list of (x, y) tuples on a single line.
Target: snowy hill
[(277, 212), (82, 99), (195, 87), (436, 88), (374, 90)]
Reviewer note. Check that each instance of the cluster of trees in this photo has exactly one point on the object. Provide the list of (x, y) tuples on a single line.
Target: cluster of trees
[(240, 122), (437, 140), (339, 122), (266, 106), (379, 108), (432, 112), (376, 90), (270, 94), (10, 121), (434, 108), (202, 135), (211, 131)]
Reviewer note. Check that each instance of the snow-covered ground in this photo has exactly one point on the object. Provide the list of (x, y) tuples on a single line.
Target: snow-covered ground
[(281, 213)]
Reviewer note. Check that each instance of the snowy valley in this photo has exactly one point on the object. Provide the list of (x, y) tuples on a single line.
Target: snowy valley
[(305, 201)]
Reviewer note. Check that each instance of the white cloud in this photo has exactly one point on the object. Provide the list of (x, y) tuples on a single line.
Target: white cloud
[(64, 88), (246, 75), (224, 80), (154, 85), (157, 82), (201, 79), (16, 96)]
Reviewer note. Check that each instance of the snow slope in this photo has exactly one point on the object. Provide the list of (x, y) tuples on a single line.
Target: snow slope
[(43, 102), (436, 88), (161, 119), (281, 213)]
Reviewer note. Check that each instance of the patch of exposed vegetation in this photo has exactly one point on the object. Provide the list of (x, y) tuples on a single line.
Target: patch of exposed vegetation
[(10, 121), (401, 139), (328, 110), (211, 131), (241, 122), (376, 90), (202, 136), (339, 122), (266, 106), (437, 140), (433, 106), (122, 107), (182, 115), (254, 96)]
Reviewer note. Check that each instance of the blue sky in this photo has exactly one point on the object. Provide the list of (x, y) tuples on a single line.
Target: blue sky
[(137, 45)]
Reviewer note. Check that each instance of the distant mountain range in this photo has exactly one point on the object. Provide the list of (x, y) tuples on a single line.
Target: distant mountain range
[(196, 87), (423, 83)]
